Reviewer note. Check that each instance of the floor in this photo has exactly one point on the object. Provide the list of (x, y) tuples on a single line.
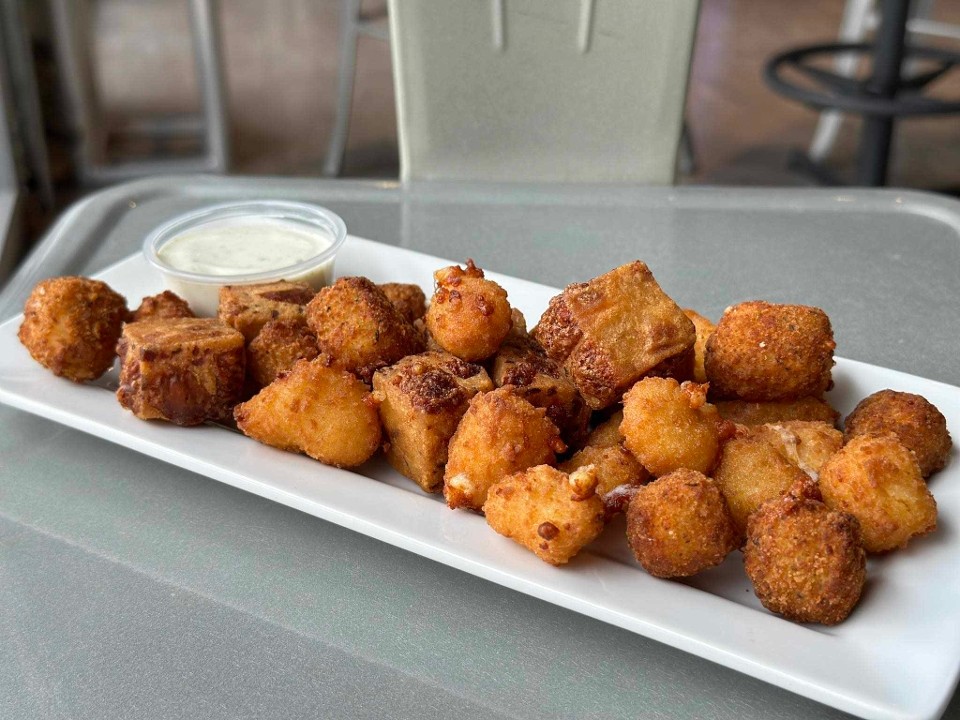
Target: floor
[(281, 62)]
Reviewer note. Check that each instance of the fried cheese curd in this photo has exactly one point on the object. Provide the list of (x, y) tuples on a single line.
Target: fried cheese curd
[(469, 316), (752, 470), (541, 381), (422, 398), (278, 345), (679, 525), (321, 411), (614, 465), (359, 328), (182, 370), (500, 434), (760, 351), (704, 330), (249, 307), (668, 426), (407, 298), (611, 331), (808, 445), (164, 306), (547, 511), (71, 326), (916, 422), (744, 412), (805, 561), (877, 479), (607, 433)]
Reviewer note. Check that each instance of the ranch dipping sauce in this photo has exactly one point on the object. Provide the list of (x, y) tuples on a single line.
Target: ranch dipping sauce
[(242, 244), (237, 246)]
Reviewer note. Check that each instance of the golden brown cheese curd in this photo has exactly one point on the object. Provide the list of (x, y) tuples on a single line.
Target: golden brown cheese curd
[(615, 466), (751, 471), (500, 434), (541, 381), (877, 479), (249, 307), (164, 306), (744, 412), (762, 351), (912, 418), (278, 345), (668, 426), (704, 330), (182, 370), (547, 511), (71, 326), (679, 525), (422, 398), (359, 328), (807, 444), (321, 411), (469, 316), (611, 331), (407, 298), (805, 560), (607, 433)]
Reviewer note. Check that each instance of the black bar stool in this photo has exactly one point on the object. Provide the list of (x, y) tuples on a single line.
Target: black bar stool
[(880, 98)]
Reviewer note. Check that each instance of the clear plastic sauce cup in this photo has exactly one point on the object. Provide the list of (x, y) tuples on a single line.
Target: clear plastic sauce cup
[(244, 243)]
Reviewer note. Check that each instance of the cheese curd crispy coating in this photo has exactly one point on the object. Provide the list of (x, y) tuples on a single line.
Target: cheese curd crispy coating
[(916, 422), (407, 298), (614, 465), (165, 306), (500, 434), (321, 411), (752, 470), (542, 382), (249, 307), (761, 352), (805, 561), (422, 398), (877, 480), (808, 445), (607, 433), (744, 412), (679, 525), (359, 328), (182, 370), (613, 330), (668, 426), (71, 326), (704, 329), (278, 345), (469, 316), (547, 511)]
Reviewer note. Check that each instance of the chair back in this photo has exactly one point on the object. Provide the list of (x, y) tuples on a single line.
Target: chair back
[(541, 90)]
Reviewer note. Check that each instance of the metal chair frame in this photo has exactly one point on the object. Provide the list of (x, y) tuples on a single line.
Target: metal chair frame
[(71, 31)]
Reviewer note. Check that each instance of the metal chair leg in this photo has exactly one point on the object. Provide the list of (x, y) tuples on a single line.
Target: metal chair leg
[(686, 155), (206, 41), (349, 18)]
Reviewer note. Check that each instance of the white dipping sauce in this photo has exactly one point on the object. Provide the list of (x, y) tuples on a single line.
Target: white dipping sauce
[(240, 246)]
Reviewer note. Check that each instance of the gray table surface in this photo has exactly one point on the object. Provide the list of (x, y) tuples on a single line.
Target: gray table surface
[(133, 589)]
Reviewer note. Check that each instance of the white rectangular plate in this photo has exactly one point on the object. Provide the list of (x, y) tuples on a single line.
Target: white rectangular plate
[(897, 656)]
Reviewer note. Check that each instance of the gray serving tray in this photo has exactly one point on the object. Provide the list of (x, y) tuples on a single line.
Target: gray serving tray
[(212, 603)]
